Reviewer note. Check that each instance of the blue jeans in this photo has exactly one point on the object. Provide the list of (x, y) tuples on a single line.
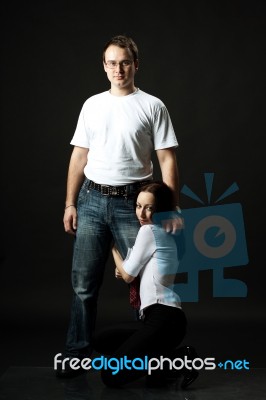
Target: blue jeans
[(101, 220)]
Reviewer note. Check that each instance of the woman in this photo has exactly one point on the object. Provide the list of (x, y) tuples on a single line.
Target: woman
[(162, 324)]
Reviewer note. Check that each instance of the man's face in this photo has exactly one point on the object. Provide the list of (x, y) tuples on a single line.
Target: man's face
[(120, 67)]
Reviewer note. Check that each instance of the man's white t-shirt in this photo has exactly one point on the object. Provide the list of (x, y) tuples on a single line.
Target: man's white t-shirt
[(121, 132)]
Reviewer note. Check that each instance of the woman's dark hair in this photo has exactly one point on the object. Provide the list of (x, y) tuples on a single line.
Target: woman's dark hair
[(125, 43), (163, 195)]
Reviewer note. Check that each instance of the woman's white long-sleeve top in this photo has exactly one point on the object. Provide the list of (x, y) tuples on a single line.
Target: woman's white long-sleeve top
[(154, 256)]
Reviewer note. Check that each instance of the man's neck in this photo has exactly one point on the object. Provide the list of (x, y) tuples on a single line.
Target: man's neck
[(122, 91)]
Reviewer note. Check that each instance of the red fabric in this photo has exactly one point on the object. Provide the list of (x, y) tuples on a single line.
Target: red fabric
[(134, 298)]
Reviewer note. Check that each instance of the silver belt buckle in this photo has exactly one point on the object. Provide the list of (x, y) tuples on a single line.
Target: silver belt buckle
[(105, 186), (113, 191)]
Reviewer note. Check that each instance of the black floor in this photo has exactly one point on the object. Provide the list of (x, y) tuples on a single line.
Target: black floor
[(27, 344), (39, 383), (27, 353)]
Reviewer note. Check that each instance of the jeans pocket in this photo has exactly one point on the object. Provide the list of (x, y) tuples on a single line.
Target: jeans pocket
[(83, 191)]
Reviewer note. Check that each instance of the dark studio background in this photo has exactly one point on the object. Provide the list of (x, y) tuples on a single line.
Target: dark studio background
[(206, 61)]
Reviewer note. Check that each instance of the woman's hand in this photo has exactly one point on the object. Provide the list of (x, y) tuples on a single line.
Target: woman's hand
[(118, 274)]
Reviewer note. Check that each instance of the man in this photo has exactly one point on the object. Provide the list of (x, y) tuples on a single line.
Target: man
[(116, 133)]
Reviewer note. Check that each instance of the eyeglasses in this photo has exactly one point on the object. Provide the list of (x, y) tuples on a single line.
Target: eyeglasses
[(114, 64)]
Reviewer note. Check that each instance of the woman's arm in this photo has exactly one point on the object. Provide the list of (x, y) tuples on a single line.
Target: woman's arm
[(138, 256), (119, 266)]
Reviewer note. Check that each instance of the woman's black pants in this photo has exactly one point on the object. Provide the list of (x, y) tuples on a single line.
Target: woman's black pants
[(158, 334)]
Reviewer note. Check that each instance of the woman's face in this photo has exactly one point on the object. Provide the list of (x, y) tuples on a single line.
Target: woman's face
[(145, 207)]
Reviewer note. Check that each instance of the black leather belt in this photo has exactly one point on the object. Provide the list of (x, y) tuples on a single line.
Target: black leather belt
[(120, 191)]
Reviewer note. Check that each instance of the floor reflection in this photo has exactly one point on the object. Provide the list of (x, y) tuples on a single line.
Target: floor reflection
[(33, 383)]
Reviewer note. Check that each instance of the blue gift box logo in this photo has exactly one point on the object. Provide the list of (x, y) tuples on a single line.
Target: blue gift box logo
[(214, 238)]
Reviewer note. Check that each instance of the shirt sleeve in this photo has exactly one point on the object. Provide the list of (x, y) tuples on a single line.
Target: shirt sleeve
[(163, 131), (141, 252), (81, 136)]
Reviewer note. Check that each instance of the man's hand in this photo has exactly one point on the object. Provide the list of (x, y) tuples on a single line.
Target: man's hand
[(173, 225), (70, 220), (171, 221)]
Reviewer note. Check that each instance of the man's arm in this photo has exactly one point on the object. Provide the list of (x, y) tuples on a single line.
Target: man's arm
[(170, 176), (75, 179), (169, 170)]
